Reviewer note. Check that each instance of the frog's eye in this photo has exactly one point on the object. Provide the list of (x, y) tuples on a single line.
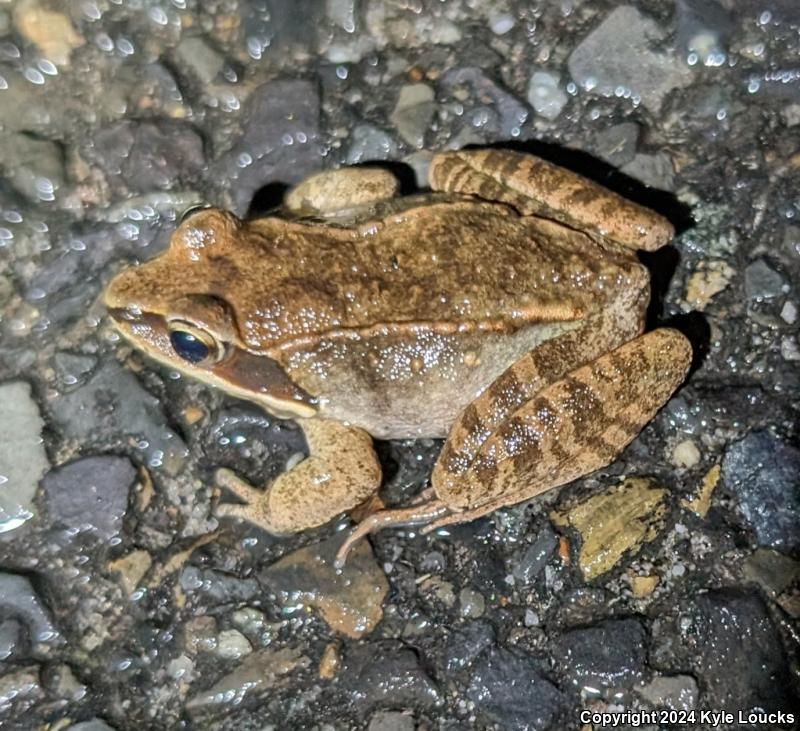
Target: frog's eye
[(192, 210), (193, 345)]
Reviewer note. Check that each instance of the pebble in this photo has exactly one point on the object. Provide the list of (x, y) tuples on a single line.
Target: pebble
[(350, 601), (391, 721), (257, 673), (618, 56), (710, 278), (686, 454), (610, 654), (471, 603), (790, 350), (617, 145), (232, 645), (762, 282), (330, 662), (465, 645), (501, 23), (654, 170), (131, 569), (413, 112), (23, 460), (702, 502), (789, 312), (20, 692), (545, 94), (19, 599), (217, 587), (507, 688), (762, 471), (529, 562), (614, 522), (368, 142), (89, 494), (50, 31), (200, 59), (675, 692), (643, 586), (33, 166)]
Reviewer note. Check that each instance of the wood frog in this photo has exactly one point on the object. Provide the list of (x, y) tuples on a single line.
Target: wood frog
[(502, 310)]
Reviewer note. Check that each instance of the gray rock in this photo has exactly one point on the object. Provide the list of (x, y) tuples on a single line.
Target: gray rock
[(617, 145), (10, 638), (370, 143), (33, 166), (280, 141), (609, 654), (703, 28), (19, 599), (73, 368), (112, 406), (507, 687), (142, 156), (200, 59), (619, 54), (391, 721), (764, 473), (464, 645), (94, 724), (761, 281), (511, 113), (677, 692), (653, 170), (386, 674), (545, 94), (23, 460), (89, 494), (216, 586), (528, 564), (413, 113), (471, 603)]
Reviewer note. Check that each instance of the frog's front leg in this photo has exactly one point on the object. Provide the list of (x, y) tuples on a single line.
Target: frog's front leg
[(340, 473), (572, 426)]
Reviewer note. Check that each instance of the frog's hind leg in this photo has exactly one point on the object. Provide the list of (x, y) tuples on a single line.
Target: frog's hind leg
[(340, 473), (334, 192), (535, 187)]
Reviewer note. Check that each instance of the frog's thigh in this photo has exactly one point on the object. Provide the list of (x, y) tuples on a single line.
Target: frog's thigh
[(536, 187), (575, 425), (340, 190), (341, 472)]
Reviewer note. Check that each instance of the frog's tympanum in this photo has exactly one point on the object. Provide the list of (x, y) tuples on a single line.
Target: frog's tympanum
[(504, 311)]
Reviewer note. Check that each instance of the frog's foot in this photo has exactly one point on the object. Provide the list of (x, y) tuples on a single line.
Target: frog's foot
[(340, 473), (536, 187), (334, 192), (421, 513)]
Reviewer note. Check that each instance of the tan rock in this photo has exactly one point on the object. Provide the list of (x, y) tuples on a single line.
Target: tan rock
[(701, 504), (614, 522), (350, 601), (686, 454), (131, 569), (709, 279), (50, 31), (330, 662), (643, 586)]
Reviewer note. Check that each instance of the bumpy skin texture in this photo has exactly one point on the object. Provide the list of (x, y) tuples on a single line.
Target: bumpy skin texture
[(467, 313)]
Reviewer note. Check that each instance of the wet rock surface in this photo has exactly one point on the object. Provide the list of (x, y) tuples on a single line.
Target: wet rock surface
[(669, 579)]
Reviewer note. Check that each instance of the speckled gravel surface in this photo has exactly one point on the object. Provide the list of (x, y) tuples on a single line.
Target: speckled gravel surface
[(669, 580)]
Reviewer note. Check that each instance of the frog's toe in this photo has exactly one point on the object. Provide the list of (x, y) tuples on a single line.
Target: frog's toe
[(241, 488)]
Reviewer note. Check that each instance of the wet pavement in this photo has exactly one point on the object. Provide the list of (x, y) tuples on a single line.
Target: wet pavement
[(668, 580)]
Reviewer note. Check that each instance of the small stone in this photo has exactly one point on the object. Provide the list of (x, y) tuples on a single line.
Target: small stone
[(72, 369), (232, 645), (257, 673), (439, 589), (330, 662), (89, 494), (413, 112), (771, 570), (676, 692), (217, 587), (789, 312), (131, 569), (653, 170), (20, 691), (33, 166), (617, 57), (762, 282), (465, 645), (471, 603), (701, 504), (710, 278), (10, 638), (50, 31), (497, 686), (617, 145), (545, 94), (763, 471), (370, 143), (350, 601), (610, 654), (93, 724), (531, 618), (181, 668), (643, 586), (790, 350), (530, 562), (501, 23), (391, 721), (203, 61), (200, 635), (23, 460), (686, 454), (614, 522)]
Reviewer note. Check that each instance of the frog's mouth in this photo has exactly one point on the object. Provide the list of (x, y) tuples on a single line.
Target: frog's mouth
[(249, 376)]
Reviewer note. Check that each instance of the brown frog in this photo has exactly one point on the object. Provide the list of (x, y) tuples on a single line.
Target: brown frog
[(503, 311)]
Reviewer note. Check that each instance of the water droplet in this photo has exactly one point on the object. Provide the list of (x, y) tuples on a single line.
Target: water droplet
[(34, 76)]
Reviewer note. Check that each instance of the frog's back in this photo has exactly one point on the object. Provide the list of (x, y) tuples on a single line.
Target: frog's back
[(451, 266)]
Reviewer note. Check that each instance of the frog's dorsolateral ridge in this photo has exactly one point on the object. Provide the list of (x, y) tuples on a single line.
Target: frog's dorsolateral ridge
[(503, 311)]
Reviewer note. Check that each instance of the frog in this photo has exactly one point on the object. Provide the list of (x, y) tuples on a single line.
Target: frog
[(502, 310)]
